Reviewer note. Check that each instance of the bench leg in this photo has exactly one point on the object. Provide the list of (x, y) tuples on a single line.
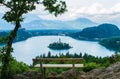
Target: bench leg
[(44, 73), (73, 68), (42, 69)]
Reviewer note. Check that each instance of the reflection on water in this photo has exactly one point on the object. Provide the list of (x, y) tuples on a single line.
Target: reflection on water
[(26, 50)]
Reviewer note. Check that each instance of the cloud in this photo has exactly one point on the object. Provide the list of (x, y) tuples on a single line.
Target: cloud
[(96, 10), (3, 9), (102, 14), (116, 8)]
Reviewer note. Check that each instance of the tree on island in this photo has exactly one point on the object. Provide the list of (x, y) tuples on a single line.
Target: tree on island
[(59, 45), (15, 16)]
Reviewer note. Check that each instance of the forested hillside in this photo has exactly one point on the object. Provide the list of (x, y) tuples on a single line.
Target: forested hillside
[(97, 32)]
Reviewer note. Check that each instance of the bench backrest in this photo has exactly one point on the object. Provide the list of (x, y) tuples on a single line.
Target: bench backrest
[(58, 59), (73, 62)]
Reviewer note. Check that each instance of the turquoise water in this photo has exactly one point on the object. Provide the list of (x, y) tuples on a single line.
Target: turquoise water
[(32, 47)]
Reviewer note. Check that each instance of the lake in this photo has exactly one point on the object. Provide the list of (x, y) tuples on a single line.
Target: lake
[(35, 46)]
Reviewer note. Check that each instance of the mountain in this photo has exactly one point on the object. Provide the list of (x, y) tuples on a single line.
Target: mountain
[(30, 17), (35, 22), (81, 23), (101, 31), (97, 32), (56, 24), (46, 24)]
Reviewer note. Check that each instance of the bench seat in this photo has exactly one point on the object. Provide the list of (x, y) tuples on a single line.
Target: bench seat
[(59, 65)]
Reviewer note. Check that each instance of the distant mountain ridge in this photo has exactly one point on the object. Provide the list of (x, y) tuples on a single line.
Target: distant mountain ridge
[(56, 24), (98, 32), (34, 22)]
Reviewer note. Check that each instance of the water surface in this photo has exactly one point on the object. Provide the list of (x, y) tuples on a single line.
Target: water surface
[(32, 47)]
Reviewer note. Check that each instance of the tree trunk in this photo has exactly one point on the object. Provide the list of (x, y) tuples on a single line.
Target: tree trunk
[(6, 59)]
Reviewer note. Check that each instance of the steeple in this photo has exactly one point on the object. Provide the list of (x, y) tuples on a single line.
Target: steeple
[(59, 40)]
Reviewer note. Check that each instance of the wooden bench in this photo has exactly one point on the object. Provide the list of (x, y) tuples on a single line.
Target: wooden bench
[(42, 64)]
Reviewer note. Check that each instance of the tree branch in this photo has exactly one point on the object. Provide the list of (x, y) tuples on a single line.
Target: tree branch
[(4, 4)]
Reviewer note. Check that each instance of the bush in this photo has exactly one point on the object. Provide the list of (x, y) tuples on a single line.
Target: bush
[(57, 70), (0, 67), (0, 72), (89, 66), (16, 67)]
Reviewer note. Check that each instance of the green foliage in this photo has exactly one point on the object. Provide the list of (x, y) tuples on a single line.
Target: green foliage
[(117, 56), (59, 46), (15, 15), (90, 66), (57, 70), (54, 6), (0, 71), (16, 67), (3, 53), (4, 39), (112, 43), (20, 7), (90, 62), (1, 1), (0, 64)]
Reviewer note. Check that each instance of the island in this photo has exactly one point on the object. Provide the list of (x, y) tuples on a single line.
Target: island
[(59, 45)]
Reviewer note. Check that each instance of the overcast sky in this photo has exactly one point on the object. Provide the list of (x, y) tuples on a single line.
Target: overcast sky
[(96, 10)]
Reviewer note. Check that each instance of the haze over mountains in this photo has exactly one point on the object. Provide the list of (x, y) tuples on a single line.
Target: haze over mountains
[(34, 22)]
